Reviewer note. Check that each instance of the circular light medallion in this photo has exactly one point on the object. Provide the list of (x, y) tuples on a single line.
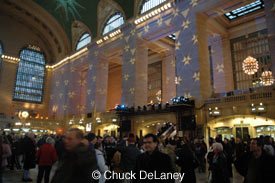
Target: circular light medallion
[(25, 114)]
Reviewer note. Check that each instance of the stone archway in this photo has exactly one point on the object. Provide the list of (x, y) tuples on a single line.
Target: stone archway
[(40, 23)]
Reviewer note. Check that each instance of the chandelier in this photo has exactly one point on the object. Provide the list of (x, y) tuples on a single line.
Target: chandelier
[(250, 65), (267, 78)]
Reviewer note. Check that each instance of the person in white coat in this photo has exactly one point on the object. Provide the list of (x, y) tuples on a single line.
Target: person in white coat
[(102, 167)]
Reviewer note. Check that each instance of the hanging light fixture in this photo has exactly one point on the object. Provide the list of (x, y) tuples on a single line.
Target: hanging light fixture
[(250, 65), (267, 78)]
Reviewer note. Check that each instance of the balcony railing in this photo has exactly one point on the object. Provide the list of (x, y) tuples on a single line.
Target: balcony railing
[(264, 93)]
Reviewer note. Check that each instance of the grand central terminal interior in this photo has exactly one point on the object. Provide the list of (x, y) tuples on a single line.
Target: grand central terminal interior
[(111, 67)]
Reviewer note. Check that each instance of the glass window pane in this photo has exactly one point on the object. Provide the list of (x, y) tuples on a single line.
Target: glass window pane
[(84, 40), (243, 46), (115, 21), (249, 8), (30, 76), (150, 4)]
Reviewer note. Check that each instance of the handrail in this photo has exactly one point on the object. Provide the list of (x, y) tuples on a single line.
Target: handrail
[(269, 94)]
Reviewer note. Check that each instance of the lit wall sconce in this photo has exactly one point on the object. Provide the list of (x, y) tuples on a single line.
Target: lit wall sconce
[(214, 112), (99, 41), (113, 34), (71, 121), (10, 58), (98, 120), (81, 121), (88, 127), (18, 123), (258, 108)]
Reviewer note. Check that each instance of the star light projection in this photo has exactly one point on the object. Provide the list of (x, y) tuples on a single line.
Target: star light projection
[(220, 68), (186, 47), (196, 76), (195, 39), (185, 12), (69, 7), (187, 95), (185, 24), (194, 3), (186, 58)]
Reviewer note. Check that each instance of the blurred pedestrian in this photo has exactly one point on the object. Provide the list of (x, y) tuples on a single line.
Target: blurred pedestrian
[(77, 164), (29, 156), (46, 157), (256, 166), (219, 165), (5, 152)]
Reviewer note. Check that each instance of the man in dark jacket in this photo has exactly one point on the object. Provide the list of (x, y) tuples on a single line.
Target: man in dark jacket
[(239, 148), (256, 166), (129, 154), (110, 149), (77, 163), (29, 150), (153, 161), (228, 152), (59, 146), (187, 161)]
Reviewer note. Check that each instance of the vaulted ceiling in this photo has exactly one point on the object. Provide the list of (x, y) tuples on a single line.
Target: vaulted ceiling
[(81, 10)]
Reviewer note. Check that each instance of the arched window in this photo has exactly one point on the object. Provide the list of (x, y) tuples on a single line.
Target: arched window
[(113, 22), (83, 40), (149, 4), (30, 76)]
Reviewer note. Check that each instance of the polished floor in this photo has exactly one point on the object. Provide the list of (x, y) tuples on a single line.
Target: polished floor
[(16, 176)]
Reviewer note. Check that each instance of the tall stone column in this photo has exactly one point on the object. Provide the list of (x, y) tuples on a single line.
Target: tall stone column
[(221, 63), (270, 17), (134, 69), (192, 65), (216, 59), (59, 100), (168, 77), (93, 61), (101, 84), (128, 66), (141, 71), (227, 62), (73, 93), (203, 55)]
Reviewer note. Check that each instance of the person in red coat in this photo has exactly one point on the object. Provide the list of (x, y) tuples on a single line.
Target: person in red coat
[(46, 156)]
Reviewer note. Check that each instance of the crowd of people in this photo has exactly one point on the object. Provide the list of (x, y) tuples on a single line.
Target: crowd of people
[(77, 155)]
